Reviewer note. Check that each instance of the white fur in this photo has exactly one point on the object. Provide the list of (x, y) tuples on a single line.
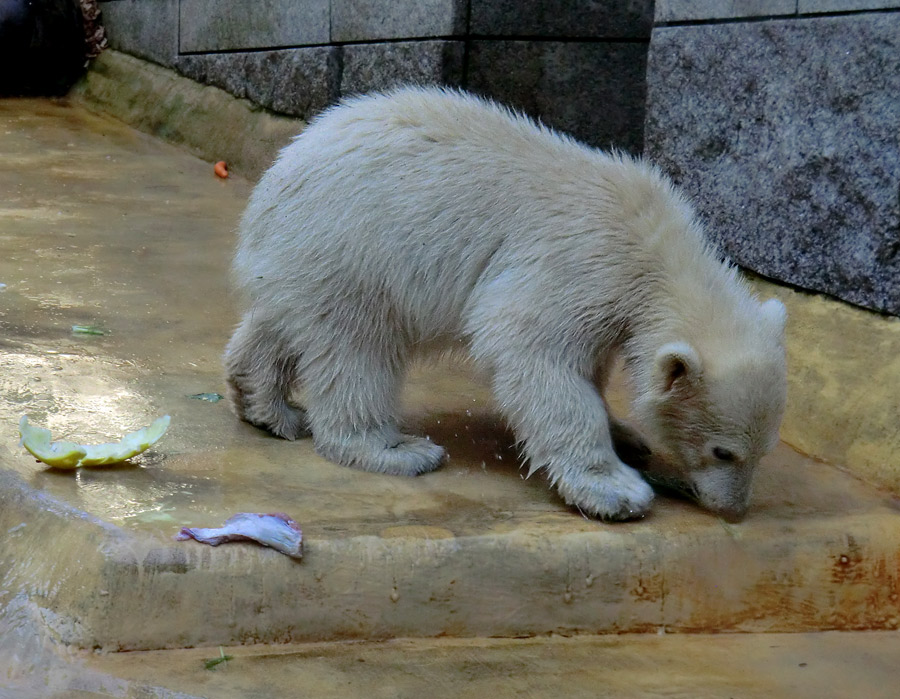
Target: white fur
[(423, 217)]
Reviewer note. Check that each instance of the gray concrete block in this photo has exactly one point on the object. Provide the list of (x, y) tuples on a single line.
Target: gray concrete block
[(218, 25), (300, 82), (361, 20), (368, 67), (785, 134), (814, 6), (593, 90), (144, 28), (562, 18), (691, 10)]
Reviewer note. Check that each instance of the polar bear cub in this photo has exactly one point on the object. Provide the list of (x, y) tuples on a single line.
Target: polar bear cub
[(425, 217)]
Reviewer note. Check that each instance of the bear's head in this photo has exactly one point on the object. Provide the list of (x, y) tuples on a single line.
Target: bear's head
[(713, 412)]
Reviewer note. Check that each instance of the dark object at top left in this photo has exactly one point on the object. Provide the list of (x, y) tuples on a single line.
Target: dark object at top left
[(43, 47)]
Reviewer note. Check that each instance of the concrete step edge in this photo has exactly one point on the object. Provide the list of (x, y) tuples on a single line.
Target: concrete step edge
[(121, 590)]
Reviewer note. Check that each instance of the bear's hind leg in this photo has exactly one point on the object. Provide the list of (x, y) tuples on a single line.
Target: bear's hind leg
[(260, 372), (351, 385)]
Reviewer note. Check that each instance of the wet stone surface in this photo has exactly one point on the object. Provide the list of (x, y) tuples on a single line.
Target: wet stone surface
[(749, 666), (104, 227), (108, 228)]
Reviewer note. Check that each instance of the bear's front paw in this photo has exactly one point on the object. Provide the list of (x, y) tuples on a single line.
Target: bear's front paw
[(614, 493)]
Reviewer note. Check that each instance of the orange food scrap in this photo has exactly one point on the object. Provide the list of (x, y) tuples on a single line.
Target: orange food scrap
[(221, 169)]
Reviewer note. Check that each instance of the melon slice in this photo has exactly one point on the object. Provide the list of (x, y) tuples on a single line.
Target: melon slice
[(71, 455)]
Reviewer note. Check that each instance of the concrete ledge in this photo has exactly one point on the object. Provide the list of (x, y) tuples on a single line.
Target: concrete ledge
[(843, 402), (205, 120), (792, 572)]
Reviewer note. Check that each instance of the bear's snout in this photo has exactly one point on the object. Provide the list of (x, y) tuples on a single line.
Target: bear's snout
[(732, 515), (724, 491)]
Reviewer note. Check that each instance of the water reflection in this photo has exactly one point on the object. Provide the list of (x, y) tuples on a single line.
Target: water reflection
[(141, 493), (81, 398)]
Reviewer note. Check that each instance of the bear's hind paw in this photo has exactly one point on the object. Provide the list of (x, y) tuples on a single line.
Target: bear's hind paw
[(405, 455)]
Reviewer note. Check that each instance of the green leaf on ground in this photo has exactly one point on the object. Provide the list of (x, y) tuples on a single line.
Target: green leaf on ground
[(213, 663), (87, 330)]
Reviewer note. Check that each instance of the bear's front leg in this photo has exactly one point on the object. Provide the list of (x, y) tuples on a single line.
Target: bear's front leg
[(561, 418)]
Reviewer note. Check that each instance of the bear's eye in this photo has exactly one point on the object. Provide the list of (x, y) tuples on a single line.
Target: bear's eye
[(723, 454)]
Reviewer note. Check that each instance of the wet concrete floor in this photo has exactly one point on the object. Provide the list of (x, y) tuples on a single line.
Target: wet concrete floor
[(105, 227), (102, 226), (829, 665)]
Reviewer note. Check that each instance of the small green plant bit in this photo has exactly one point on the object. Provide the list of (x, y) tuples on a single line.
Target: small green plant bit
[(212, 663), (87, 330)]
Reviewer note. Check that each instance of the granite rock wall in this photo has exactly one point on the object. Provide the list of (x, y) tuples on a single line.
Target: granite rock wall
[(577, 65), (780, 118), (785, 131)]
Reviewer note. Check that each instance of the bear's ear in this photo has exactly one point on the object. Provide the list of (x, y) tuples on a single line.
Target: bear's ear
[(678, 366), (775, 315)]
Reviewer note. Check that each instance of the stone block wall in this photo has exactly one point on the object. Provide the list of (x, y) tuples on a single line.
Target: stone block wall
[(578, 65), (781, 118)]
